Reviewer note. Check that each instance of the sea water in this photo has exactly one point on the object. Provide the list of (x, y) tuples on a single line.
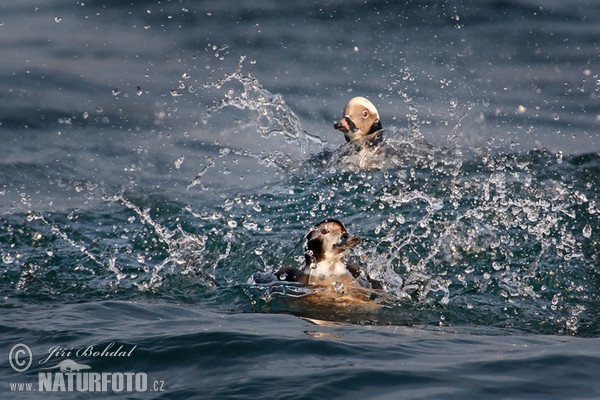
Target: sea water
[(157, 154)]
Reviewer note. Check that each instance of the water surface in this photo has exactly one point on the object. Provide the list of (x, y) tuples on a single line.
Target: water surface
[(156, 155)]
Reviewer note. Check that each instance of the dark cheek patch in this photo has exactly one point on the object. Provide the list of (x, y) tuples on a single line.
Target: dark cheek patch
[(375, 127), (350, 123), (315, 246)]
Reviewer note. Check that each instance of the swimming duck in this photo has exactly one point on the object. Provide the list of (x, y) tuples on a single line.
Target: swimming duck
[(324, 248)]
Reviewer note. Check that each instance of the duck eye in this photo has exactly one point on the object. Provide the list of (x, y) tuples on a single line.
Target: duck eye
[(324, 231), (365, 114)]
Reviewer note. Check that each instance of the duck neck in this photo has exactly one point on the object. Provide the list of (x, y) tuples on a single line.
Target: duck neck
[(375, 138)]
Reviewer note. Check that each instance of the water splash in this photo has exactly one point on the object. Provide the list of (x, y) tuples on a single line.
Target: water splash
[(445, 231), (273, 116), (504, 240), (185, 250), (198, 179)]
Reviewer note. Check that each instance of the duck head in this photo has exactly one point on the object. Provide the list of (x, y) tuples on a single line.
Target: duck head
[(360, 120), (328, 241)]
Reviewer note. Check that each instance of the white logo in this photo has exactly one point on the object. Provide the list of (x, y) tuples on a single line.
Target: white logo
[(71, 376), (70, 366), (20, 357)]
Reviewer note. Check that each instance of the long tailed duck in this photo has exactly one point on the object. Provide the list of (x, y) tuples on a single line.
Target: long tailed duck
[(364, 133), (361, 122), (324, 249)]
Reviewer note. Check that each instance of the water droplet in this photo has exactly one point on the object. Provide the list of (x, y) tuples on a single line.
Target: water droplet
[(57, 19), (251, 226), (8, 259), (338, 287), (179, 162), (116, 92), (139, 91), (232, 223), (587, 231), (559, 157)]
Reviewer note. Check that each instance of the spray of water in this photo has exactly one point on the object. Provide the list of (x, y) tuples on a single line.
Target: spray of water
[(504, 239)]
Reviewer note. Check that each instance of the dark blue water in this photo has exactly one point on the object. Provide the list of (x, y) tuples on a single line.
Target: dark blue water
[(156, 154)]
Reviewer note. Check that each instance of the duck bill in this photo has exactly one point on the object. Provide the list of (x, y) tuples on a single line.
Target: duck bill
[(345, 125), (348, 243)]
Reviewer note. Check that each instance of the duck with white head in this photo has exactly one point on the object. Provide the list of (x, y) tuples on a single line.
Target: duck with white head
[(360, 122)]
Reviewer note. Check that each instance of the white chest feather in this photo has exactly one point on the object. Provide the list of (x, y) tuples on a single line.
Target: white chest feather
[(328, 271)]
